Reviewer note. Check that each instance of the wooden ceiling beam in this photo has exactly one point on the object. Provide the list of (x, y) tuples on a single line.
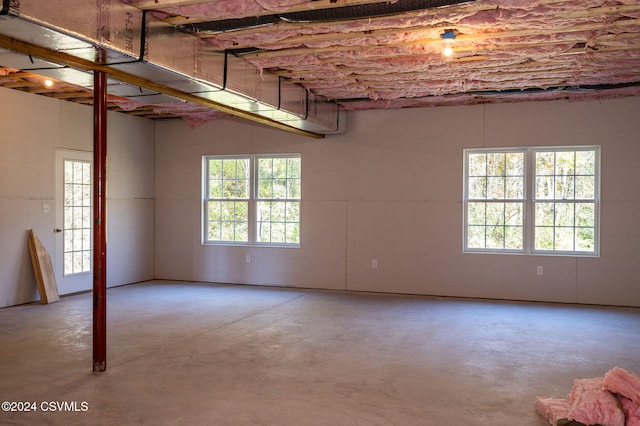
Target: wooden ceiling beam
[(39, 90), (74, 94), (17, 84), (602, 11)]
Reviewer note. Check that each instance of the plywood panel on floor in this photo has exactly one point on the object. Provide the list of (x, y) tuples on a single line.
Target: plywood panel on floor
[(43, 269)]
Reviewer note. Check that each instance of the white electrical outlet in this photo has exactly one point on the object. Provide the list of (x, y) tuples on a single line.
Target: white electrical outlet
[(46, 208), (247, 258), (374, 263), (540, 270)]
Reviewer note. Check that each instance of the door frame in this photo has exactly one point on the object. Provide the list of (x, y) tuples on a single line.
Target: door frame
[(76, 282)]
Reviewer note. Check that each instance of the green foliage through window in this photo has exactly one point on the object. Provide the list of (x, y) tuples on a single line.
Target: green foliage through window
[(495, 186), (565, 189), (561, 212), (76, 217), (227, 201), (279, 182), (252, 199)]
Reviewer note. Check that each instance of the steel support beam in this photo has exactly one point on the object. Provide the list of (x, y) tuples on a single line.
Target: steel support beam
[(99, 228)]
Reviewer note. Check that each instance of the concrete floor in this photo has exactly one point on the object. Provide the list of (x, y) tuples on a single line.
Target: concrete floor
[(201, 354)]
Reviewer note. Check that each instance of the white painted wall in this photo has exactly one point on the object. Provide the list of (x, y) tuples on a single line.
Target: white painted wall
[(31, 128), (390, 189)]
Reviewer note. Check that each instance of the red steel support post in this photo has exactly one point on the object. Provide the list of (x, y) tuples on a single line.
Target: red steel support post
[(99, 214)]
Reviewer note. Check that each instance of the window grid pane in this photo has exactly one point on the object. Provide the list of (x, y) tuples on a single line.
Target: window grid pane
[(227, 203), (495, 187), (565, 220), (278, 222), (495, 225), (76, 217), (278, 195)]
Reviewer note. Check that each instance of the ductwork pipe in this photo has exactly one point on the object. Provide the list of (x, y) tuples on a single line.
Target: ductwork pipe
[(141, 45)]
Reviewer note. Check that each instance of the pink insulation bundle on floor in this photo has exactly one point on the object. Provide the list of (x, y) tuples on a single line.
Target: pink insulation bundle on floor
[(631, 411), (591, 404), (613, 400), (622, 382), (552, 409), (627, 386)]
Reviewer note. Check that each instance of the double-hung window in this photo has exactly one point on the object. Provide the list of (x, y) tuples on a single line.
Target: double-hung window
[(537, 200), (252, 199)]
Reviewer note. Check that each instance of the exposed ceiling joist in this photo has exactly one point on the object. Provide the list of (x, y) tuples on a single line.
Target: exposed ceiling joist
[(304, 40)]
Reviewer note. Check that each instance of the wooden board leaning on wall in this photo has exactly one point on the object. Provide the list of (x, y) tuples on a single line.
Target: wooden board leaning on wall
[(43, 269)]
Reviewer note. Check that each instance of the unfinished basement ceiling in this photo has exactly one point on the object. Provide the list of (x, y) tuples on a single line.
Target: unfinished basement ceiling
[(368, 54)]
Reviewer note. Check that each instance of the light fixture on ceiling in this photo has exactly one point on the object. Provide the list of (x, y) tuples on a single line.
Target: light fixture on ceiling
[(448, 37), (48, 83)]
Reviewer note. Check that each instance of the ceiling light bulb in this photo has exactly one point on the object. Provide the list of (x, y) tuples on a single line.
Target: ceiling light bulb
[(48, 83), (448, 37)]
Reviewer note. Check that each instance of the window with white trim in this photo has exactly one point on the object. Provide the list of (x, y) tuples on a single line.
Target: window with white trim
[(537, 200), (252, 199)]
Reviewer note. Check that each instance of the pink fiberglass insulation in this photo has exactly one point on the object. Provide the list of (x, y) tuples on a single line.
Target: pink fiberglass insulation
[(220, 9), (571, 40), (552, 409), (7, 71), (622, 382), (228, 9), (281, 5), (475, 99), (470, 20), (194, 115), (259, 39), (590, 403), (631, 411), (450, 76), (501, 47), (125, 103), (304, 61), (196, 119)]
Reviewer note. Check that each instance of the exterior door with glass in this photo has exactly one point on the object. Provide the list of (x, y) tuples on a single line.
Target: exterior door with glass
[(73, 258)]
